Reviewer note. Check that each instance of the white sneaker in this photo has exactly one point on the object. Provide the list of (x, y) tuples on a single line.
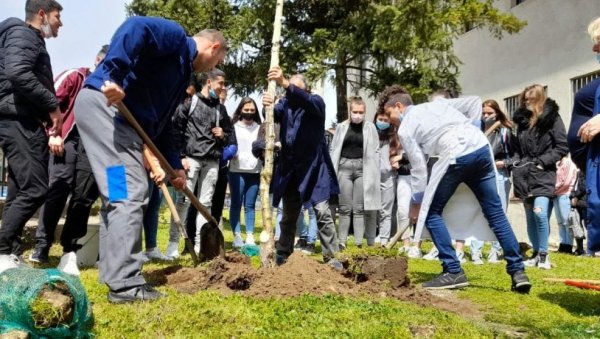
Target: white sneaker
[(155, 254), (68, 264), (532, 262), (378, 240), (197, 249), (250, 239), (414, 252), (544, 261), (172, 250), (477, 258), (461, 257), (8, 261), (432, 254), (494, 257), (238, 242)]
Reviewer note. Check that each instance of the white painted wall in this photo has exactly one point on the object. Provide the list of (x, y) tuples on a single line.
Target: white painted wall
[(553, 48)]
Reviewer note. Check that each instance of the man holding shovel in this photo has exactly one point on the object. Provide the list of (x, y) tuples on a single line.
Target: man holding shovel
[(148, 67)]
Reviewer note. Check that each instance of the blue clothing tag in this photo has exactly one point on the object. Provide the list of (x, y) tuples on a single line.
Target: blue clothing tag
[(117, 183)]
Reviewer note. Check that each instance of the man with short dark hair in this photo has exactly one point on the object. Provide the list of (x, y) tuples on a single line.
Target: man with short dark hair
[(70, 173), (148, 67), (445, 127), (27, 105), (203, 130)]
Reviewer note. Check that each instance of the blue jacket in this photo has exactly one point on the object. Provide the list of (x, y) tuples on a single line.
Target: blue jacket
[(151, 58), (583, 107), (593, 186), (304, 159)]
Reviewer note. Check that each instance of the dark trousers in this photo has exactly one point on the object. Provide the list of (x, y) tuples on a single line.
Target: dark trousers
[(69, 174), (25, 146), (218, 202)]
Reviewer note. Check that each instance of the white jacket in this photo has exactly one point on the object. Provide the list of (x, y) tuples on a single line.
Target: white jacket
[(448, 129)]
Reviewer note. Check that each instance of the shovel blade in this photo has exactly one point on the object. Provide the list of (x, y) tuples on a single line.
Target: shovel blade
[(212, 243)]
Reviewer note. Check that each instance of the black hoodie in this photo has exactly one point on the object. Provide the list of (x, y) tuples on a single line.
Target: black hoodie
[(537, 150), (26, 82)]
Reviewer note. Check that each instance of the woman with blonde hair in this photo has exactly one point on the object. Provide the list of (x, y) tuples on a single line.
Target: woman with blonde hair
[(541, 142), (355, 158)]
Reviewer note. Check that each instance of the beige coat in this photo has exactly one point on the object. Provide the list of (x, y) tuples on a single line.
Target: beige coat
[(371, 172)]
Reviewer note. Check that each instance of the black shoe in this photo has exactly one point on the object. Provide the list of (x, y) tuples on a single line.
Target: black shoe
[(138, 293), (309, 249), (447, 281), (520, 282), (300, 244), (342, 247), (39, 255), (280, 259)]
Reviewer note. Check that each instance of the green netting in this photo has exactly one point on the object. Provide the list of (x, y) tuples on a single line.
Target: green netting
[(19, 287), (250, 250)]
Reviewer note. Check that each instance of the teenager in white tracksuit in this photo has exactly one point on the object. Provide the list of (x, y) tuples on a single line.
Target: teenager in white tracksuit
[(444, 127)]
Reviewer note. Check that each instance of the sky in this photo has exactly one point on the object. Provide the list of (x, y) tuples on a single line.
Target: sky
[(89, 24)]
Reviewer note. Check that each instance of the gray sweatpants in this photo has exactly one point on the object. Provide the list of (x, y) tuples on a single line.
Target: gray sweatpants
[(388, 197), (115, 153), (352, 195)]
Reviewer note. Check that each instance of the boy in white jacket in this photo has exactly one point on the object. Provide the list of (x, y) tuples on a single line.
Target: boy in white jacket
[(443, 127)]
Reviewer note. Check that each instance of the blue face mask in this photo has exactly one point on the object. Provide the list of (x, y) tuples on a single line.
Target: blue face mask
[(382, 126), (212, 94), (598, 57)]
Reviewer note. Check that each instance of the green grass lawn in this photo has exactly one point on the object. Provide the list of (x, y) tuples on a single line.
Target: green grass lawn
[(552, 310)]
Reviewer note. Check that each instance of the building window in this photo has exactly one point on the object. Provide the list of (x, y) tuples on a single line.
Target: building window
[(511, 103), (517, 2), (580, 81)]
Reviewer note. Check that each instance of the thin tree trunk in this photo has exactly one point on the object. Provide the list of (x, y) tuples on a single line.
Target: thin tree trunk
[(266, 237), (341, 89)]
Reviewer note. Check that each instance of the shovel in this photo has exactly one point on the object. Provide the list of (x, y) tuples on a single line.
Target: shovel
[(176, 219), (212, 243)]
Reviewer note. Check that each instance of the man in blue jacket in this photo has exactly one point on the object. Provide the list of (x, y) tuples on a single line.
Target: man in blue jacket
[(27, 104), (304, 174), (148, 67)]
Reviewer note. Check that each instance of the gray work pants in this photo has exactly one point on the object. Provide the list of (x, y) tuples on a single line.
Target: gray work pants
[(115, 153)]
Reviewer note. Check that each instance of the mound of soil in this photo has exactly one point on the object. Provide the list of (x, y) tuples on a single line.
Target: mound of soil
[(300, 275)]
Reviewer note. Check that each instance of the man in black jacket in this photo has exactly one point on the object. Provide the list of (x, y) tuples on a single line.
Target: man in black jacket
[(203, 128), (27, 104)]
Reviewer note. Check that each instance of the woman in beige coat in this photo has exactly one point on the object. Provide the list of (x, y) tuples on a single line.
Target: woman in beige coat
[(355, 157)]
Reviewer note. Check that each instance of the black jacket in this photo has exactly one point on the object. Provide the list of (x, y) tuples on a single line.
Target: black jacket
[(194, 131), (537, 150), (26, 82)]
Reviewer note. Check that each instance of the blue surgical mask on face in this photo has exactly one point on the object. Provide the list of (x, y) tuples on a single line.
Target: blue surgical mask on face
[(212, 94), (381, 125), (598, 57)]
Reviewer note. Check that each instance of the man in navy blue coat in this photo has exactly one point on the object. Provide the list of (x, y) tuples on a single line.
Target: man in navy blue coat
[(148, 66), (304, 174)]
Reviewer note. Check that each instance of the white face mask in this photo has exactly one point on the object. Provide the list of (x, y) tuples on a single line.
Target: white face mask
[(46, 29), (357, 118)]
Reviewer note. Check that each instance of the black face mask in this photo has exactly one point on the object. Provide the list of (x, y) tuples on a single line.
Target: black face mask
[(247, 116)]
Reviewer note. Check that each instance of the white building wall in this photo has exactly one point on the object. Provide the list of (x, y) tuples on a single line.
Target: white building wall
[(553, 48)]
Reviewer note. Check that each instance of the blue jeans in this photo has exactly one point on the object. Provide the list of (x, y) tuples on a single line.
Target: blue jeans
[(243, 188), (537, 213), (503, 181), (475, 169), (151, 216), (562, 205), (308, 232)]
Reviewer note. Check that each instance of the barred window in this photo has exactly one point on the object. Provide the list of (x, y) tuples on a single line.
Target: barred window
[(511, 103), (577, 83)]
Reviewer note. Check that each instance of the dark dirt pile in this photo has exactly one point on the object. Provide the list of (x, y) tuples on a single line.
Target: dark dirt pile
[(370, 276)]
